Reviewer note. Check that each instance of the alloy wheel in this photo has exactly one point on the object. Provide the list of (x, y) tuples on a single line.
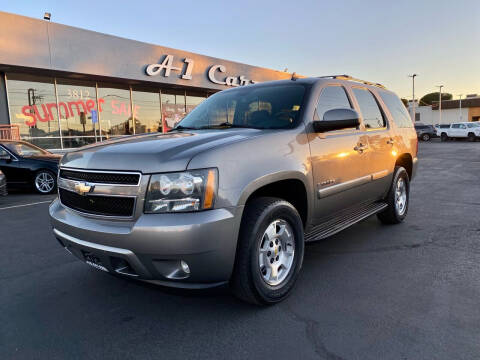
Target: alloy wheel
[(401, 196), (276, 252), (44, 182)]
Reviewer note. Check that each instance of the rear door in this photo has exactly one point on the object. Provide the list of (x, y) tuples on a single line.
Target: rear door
[(380, 141), (339, 158)]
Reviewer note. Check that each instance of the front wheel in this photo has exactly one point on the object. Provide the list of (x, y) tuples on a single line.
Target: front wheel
[(45, 182), (397, 198), (443, 137), (269, 252), (471, 137)]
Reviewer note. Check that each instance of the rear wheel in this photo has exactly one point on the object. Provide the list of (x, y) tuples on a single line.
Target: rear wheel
[(45, 182), (397, 198), (269, 252), (443, 137), (425, 137), (471, 137)]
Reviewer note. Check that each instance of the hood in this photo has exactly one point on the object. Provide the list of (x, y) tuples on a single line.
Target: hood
[(45, 157), (153, 152)]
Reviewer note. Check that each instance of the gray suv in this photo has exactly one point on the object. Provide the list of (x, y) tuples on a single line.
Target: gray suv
[(232, 194)]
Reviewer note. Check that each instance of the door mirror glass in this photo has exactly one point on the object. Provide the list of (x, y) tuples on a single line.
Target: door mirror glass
[(4, 155), (337, 119)]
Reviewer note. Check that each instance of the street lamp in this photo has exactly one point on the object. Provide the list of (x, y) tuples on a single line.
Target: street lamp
[(460, 97), (413, 95), (440, 104)]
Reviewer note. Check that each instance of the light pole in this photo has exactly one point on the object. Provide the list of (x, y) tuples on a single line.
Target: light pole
[(413, 95), (440, 104), (460, 97)]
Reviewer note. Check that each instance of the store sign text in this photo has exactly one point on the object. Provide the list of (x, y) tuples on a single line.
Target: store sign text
[(45, 112), (166, 67)]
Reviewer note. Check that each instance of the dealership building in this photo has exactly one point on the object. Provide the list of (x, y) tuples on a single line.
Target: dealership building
[(62, 87)]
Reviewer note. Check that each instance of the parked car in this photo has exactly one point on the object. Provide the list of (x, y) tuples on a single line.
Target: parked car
[(28, 166), (461, 130), (3, 184), (232, 194), (425, 132)]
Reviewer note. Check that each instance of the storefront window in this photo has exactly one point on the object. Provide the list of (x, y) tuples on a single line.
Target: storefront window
[(146, 111), (173, 108), (193, 99), (33, 107), (114, 110), (76, 101)]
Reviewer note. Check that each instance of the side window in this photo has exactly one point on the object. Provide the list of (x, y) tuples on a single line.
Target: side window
[(399, 112), (462, 126), (455, 126), (3, 152), (372, 116), (332, 97)]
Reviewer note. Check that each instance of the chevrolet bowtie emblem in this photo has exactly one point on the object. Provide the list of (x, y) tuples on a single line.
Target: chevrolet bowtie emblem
[(83, 188)]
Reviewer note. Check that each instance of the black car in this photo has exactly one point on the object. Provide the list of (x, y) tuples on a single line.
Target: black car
[(26, 165), (425, 132)]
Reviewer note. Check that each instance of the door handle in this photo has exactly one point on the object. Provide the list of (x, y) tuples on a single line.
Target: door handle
[(391, 141), (360, 147)]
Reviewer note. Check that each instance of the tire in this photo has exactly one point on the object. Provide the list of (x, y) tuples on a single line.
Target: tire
[(394, 213), (443, 137), (425, 137), (45, 182), (471, 137), (252, 282)]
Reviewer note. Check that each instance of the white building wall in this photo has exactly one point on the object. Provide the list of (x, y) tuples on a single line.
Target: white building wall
[(430, 117)]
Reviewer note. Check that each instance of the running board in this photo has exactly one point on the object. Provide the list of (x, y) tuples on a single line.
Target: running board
[(341, 222)]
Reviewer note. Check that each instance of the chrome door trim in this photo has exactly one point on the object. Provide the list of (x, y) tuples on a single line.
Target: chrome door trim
[(347, 185), (379, 174)]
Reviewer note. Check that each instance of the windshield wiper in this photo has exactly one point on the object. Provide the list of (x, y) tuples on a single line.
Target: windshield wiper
[(180, 127), (227, 125)]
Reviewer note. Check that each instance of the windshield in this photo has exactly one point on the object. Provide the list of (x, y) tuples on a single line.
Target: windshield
[(23, 149), (265, 107)]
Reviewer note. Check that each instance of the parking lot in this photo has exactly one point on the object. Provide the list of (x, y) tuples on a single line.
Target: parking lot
[(409, 291)]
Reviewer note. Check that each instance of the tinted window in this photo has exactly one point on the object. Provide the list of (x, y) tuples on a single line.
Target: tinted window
[(265, 107), (332, 97), (399, 113), (444, 126), (455, 126), (372, 116), (3, 152)]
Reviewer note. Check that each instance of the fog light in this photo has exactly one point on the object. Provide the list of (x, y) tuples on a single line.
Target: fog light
[(185, 267)]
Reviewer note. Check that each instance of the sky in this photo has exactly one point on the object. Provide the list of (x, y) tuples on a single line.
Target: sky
[(380, 41)]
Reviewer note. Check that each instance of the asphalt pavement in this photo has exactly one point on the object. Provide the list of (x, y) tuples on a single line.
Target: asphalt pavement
[(408, 291)]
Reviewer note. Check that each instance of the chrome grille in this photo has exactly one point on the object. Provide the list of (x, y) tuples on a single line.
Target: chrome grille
[(99, 193), (101, 177)]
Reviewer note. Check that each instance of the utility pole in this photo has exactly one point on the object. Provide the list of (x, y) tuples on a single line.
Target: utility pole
[(440, 104), (460, 96), (413, 96)]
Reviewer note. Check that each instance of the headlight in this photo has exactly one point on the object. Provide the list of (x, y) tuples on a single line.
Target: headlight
[(182, 191)]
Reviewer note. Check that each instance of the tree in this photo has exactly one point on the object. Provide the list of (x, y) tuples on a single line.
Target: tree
[(405, 102), (430, 98)]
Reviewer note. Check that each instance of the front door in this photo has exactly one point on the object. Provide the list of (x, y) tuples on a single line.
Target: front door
[(339, 159)]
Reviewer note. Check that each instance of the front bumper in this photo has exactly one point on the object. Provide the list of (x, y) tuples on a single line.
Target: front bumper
[(151, 247)]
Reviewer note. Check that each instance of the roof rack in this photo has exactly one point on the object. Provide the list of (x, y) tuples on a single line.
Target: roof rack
[(351, 78)]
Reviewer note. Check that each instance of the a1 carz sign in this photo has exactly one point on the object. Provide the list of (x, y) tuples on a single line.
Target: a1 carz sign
[(215, 72)]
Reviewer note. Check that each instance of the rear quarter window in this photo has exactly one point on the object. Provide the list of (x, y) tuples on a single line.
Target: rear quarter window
[(399, 112)]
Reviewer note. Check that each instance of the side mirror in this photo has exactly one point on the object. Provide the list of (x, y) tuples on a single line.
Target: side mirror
[(5, 157), (337, 119)]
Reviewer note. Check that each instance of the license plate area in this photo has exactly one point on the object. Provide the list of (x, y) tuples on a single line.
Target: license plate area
[(93, 261)]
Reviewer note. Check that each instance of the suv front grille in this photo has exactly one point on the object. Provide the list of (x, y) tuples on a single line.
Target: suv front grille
[(98, 205), (101, 177)]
